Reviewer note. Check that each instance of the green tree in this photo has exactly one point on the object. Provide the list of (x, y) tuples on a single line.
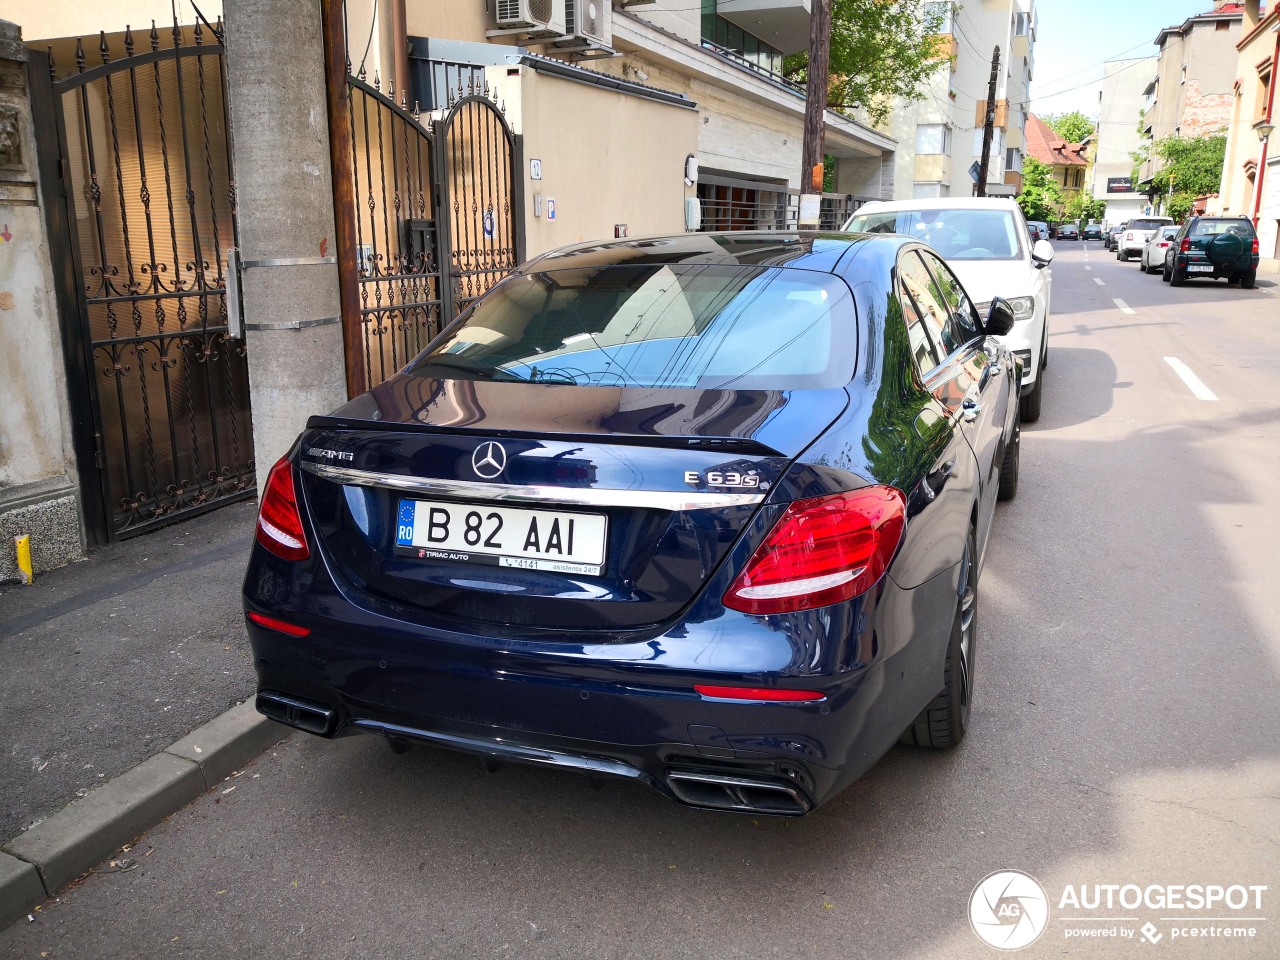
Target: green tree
[(1071, 127), (1041, 196), (879, 51), (1192, 165)]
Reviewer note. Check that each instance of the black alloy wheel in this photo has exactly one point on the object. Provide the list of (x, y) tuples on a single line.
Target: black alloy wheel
[(1011, 463)]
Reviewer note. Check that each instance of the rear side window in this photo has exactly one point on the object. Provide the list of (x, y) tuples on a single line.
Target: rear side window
[(705, 326), (1241, 228)]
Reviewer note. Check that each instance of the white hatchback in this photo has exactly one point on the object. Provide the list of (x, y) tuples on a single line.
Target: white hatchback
[(986, 242)]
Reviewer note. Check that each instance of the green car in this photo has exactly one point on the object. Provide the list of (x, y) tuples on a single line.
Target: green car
[(1213, 247)]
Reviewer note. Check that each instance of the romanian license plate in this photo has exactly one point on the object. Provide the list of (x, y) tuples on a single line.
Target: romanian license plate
[(1199, 268), (503, 536)]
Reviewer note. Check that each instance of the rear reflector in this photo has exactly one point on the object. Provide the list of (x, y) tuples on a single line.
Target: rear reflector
[(759, 693), (271, 623), (822, 551), (279, 523)]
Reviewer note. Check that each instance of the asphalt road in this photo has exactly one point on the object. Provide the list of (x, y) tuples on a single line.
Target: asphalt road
[(1126, 731)]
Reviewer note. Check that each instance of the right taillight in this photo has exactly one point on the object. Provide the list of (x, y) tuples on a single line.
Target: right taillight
[(1255, 245), (279, 522), (1185, 246), (822, 551)]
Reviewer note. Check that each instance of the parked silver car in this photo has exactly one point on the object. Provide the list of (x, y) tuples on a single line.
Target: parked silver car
[(1153, 253)]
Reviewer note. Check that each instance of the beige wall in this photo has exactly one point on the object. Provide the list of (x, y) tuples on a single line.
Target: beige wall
[(48, 19), (448, 19), (607, 158)]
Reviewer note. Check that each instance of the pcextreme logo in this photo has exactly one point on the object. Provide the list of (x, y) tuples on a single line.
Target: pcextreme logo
[(1010, 909)]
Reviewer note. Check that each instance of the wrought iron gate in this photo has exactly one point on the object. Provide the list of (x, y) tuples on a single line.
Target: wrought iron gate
[(478, 171), (398, 259), (147, 211), (437, 215)]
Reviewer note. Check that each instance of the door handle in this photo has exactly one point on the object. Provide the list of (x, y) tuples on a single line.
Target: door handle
[(969, 410), (935, 480)]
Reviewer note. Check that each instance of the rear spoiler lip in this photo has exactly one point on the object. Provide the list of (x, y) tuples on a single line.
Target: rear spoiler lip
[(739, 445)]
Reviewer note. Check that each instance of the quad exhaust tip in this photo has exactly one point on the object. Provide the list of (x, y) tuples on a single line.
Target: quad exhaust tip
[(740, 794)]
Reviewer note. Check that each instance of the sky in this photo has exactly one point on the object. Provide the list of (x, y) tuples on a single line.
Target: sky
[(1075, 37)]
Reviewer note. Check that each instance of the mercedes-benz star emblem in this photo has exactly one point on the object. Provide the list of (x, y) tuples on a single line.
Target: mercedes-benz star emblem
[(489, 460)]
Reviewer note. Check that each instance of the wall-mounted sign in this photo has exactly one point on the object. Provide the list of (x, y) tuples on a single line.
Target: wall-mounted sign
[(551, 208), (1119, 185), (535, 169)]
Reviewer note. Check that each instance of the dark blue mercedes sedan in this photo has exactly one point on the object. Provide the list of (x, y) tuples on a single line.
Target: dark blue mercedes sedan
[(706, 512)]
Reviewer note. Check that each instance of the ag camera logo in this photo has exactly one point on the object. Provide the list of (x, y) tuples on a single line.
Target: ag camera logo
[(1009, 909)]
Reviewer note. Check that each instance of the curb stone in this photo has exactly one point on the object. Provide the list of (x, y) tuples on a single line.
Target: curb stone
[(20, 889), (51, 855)]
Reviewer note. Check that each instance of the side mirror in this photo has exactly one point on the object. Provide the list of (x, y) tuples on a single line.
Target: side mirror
[(1042, 253), (1000, 319)]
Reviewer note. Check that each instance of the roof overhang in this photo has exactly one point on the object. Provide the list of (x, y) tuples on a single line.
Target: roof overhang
[(780, 23)]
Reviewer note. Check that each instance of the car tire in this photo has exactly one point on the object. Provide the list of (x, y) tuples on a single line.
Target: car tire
[(944, 722), (1177, 278), (1247, 280), (1164, 271), (1029, 406), (1011, 463), (1122, 256)]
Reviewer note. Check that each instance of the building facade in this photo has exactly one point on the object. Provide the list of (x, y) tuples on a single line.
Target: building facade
[(1191, 93), (1118, 138), (940, 137), (1251, 170)]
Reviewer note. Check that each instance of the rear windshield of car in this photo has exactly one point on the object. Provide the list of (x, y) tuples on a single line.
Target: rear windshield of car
[(1241, 228), (963, 234), (674, 325), (1147, 224)]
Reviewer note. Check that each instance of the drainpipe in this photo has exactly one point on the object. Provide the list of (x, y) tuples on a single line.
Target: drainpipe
[(400, 49), (1271, 100)]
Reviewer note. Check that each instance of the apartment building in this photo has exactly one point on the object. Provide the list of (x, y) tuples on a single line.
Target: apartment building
[(940, 137), (1191, 92), (1120, 104), (1251, 171)]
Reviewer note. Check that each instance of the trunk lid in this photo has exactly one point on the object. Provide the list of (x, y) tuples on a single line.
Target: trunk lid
[(509, 504)]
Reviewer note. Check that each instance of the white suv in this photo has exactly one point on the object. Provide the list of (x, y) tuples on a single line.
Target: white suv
[(1135, 236), (986, 242)]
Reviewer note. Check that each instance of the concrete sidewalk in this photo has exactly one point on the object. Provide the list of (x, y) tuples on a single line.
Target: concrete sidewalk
[(104, 666)]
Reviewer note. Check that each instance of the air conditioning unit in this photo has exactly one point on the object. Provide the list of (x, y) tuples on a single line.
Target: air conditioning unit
[(591, 20), (589, 30), (537, 18)]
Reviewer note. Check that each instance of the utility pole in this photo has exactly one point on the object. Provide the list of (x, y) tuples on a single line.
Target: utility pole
[(989, 126), (815, 109)]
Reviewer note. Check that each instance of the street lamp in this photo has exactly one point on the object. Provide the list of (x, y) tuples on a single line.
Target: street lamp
[(1263, 128)]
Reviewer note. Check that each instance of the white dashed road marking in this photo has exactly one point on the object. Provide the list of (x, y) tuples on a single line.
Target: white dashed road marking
[(1124, 307), (1195, 384), (1099, 281)]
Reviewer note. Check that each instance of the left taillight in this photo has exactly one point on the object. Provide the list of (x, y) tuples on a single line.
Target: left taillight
[(279, 521), (822, 551), (1255, 245)]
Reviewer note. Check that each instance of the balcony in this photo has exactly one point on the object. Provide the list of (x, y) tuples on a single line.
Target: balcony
[(783, 24), (933, 168)]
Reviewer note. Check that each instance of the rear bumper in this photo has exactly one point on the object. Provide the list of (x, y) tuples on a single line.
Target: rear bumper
[(712, 777), (1182, 262), (617, 707)]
